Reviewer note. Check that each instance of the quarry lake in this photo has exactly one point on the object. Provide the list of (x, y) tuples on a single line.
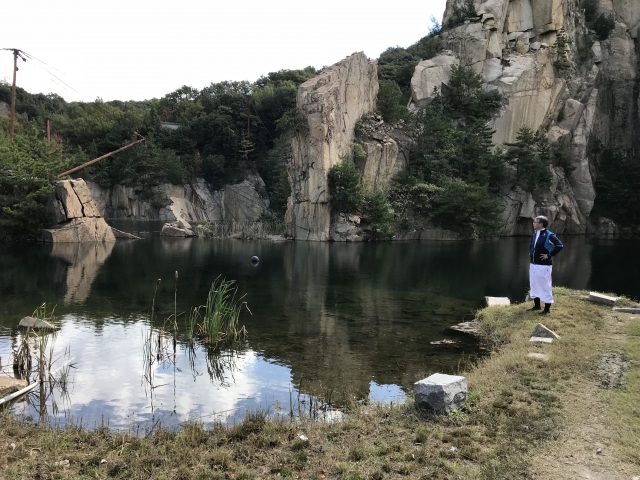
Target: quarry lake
[(328, 321)]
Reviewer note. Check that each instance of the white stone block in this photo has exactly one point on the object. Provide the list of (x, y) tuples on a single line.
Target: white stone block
[(441, 393), (600, 298), (494, 301), (541, 339)]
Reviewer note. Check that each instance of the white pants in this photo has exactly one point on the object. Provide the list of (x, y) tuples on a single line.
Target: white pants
[(540, 282)]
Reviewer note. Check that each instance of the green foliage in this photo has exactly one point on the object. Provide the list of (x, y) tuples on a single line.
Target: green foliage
[(390, 102), (466, 208), (222, 311), (345, 188), (28, 168), (377, 212), (618, 187), (604, 25), (409, 196), (274, 173), (531, 156), (358, 151), (590, 8), (293, 121), (283, 77), (461, 11), (464, 97)]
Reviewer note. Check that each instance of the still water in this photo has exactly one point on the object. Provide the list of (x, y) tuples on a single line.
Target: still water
[(328, 320)]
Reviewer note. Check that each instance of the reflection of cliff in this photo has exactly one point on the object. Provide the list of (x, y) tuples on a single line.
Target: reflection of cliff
[(84, 261)]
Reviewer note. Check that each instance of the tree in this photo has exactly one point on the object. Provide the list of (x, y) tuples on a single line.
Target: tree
[(531, 156)]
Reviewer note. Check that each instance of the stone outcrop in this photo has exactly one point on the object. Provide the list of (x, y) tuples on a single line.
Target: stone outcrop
[(74, 216), (330, 105), (193, 202), (554, 76), (180, 228)]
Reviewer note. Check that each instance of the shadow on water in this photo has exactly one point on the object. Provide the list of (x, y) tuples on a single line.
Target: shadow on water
[(332, 321)]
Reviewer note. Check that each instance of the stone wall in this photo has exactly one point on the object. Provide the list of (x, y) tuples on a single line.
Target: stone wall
[(331, 104)]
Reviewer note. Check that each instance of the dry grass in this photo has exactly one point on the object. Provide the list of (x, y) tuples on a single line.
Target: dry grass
[(522, 417)]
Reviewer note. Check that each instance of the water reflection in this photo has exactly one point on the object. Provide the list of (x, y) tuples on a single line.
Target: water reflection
[(329, 320), (82, 262)]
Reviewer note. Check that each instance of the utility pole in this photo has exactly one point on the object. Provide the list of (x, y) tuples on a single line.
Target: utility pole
[(16, 53)]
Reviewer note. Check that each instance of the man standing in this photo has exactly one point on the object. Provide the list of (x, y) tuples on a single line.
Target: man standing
[(544, 245)]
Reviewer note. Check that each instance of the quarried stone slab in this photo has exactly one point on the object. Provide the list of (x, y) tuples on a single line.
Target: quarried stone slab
[(79, 230), (541, 331), (441, 393), (634, 310), (493, 301), (600, 298), (541, 339), (9, 385), (33, 322)]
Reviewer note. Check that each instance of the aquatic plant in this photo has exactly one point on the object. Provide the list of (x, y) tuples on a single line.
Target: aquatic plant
[(222, 312)]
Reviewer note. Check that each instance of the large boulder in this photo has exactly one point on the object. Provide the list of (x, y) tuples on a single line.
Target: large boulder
[(330, 105), (429, 76), (79, 230)]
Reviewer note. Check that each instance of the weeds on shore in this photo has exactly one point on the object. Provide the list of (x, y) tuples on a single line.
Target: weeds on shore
[(265, 226)]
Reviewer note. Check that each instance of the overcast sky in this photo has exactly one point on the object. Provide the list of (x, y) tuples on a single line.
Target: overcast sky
[(138, 49)]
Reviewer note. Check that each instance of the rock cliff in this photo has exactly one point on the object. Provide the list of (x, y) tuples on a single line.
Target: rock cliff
[(193, 202), (555, 76), (331, 104), (74, 216)]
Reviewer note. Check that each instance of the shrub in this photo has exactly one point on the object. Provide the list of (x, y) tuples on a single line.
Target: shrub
[(461, 11), (390, 101), (531, 156), (604, 25), (378, 213), (466, 208), (344, 187)]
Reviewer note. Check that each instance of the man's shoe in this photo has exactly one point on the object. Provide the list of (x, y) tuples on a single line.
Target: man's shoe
[(546, 311), (536, 305)]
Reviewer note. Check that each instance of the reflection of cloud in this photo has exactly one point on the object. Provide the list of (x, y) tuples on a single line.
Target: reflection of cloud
[(107, 383), (85, 260)]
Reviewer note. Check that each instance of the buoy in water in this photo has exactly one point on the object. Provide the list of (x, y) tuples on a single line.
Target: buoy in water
[(254, 261)]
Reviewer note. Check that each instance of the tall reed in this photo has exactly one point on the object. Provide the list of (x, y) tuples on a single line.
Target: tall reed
[(222, 311)]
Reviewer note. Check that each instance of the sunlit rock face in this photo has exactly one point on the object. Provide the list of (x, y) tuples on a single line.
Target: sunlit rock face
[(193, 202), (74, 216), (330, 104), (556, 77)]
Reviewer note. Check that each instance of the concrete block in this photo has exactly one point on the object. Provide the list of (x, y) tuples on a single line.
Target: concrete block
[(493, 301), (600, 298), (541, 339), (632, 310), (541, 331), (441, 393)]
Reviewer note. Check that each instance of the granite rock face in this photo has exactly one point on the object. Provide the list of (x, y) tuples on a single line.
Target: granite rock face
[(330, 104), (195, 201), (555, 76), (74, 216)]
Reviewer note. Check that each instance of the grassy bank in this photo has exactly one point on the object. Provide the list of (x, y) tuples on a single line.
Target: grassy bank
[(527, 418)]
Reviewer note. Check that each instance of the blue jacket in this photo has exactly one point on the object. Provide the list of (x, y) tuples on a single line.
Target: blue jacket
[(547, 243)]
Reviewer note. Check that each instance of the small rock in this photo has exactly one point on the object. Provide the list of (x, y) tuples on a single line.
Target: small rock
[(538, 356), (453, 449), (103, 461), (303, 438), (13, 446), (598, 451), (627, 310), (441, 393), (61, 463)]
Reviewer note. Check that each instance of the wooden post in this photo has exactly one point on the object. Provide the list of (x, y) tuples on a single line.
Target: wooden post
[(91, 162), (48, 131)]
